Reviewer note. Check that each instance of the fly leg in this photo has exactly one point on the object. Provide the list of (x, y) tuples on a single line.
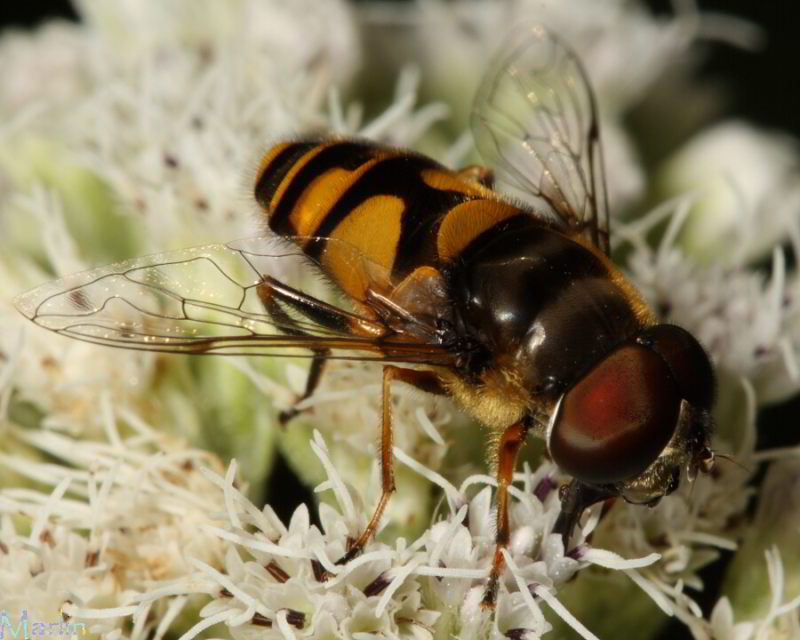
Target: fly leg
[(426, 381), (314, 376), (274, 295), (322, 314), (576, 497), (508, 448)]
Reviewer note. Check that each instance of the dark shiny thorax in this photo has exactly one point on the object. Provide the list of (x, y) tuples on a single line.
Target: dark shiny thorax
[(538, 303)]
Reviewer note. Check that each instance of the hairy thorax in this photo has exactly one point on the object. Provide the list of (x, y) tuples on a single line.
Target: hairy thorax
[(496, 400)]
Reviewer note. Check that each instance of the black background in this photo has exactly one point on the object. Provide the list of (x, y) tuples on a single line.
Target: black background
[(762, 87), (27, 14), (763, 84)]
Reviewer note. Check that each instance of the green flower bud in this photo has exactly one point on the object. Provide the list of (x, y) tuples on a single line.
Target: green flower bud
[(776, 523)]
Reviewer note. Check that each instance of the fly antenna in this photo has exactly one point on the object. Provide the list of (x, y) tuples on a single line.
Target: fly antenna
[(733, 460)]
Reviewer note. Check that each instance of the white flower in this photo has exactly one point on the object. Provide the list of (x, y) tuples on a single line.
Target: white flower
[(56, 52), (757, 590), (722, 626), (172, 106), (277, 578), (745, 189), (119, 519), (780, 622), (458, 37)]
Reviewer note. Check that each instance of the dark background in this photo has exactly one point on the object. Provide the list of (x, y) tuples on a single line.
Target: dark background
[(763, 87)]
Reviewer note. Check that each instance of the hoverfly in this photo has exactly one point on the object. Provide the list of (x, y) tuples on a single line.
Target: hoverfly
[(513, 309)]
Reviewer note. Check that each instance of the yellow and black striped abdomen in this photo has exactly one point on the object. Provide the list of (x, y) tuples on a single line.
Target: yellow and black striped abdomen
[(398, 209)]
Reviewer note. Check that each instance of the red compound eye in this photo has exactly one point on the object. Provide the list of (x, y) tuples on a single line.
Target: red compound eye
[(616, 421), (686, 360)]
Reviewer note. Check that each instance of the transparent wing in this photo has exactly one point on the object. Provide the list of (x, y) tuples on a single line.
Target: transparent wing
[(214, 299), (535, 121)]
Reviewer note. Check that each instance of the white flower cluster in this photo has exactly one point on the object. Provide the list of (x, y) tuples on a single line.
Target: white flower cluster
[(114, 518), (129, 537)]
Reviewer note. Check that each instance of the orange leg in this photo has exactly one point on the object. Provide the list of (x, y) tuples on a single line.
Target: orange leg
[(508, 448), (424, 380)]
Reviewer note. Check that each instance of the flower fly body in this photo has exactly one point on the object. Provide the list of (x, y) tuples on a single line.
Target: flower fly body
[(508, 304)]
